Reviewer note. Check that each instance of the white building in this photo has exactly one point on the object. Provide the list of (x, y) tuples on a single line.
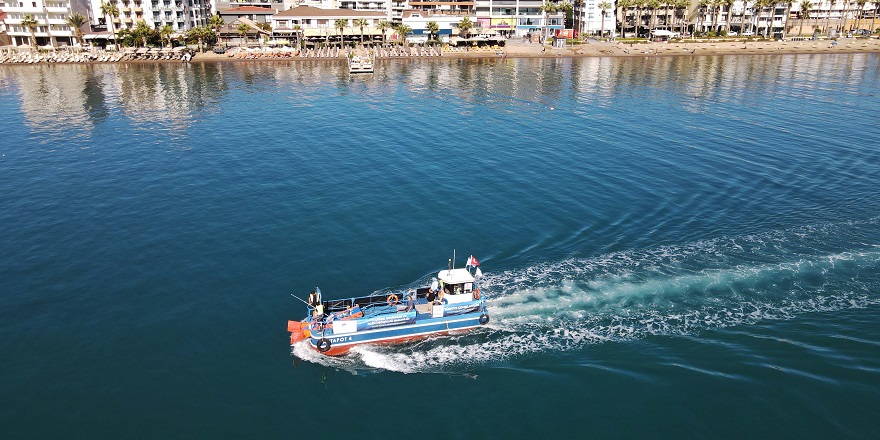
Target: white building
[(181, 15), (51, 16)]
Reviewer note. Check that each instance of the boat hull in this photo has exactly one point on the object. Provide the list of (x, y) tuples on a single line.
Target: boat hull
[(339, 344)]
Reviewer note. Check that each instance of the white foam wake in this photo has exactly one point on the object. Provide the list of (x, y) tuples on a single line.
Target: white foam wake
[(671, 290)]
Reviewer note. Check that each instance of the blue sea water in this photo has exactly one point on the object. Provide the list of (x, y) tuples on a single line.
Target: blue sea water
[(672, 247)]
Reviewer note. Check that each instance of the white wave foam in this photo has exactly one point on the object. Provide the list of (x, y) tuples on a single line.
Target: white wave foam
[(670, 290)]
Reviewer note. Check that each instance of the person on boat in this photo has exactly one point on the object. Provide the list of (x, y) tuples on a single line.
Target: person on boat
[(411, 300), (313, 299), (435, 286)]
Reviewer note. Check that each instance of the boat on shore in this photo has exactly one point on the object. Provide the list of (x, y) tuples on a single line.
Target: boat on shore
[(452, 304)]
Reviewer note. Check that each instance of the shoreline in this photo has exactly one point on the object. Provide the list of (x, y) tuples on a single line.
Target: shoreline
[(586, 50), (623, 50)]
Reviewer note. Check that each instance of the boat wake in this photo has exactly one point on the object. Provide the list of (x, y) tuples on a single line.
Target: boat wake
[(668, 290)]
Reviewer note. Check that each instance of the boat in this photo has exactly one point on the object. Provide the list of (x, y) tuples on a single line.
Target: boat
[(360, 64), (333, 327)]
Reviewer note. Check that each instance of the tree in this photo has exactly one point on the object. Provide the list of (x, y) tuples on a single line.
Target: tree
[(76, 21), (640, 5), (804, 14), (568, 9), (624, 6), (653, 5), (578, 20), (243, 31), (729, 5), (759, 7), (465, 25), (361, 23), (340, 24), (861, 4), (200, 34), (297, 29), (548, 8), (216, 23), (404, 30), (142, 31), (110, 11), (742, 17), (433, 28), (165, 32), (604, 7), (267, 28), (383, 26), (682, 5), (30, 23)]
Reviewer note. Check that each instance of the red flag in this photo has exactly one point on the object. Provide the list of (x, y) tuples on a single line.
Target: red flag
[(472, 261)]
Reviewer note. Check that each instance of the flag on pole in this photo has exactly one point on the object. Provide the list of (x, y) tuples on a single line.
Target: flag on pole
[(472, 262)]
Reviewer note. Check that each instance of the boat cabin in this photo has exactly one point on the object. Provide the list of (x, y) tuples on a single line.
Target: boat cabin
[(457, 283)]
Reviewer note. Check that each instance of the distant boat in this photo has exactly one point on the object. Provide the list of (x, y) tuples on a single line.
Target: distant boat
[(333, 327), (360, 64)]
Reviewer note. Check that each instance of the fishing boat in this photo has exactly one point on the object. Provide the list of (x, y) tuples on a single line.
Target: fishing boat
[(452, 303)]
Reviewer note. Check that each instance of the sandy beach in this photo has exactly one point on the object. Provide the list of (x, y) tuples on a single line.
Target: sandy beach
[(620, 49)]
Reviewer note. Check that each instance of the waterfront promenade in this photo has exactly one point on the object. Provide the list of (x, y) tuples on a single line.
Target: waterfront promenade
[(519, 49)]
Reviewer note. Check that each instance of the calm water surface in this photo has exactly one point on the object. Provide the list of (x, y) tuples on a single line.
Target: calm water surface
[(672, 247)]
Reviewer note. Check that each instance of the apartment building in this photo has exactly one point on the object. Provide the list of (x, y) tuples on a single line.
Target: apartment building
[(51, 16), (181, 15)]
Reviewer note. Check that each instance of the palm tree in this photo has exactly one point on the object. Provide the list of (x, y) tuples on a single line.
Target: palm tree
[(640, 5), (340, 24), (729, 5), (141, 31), (623, 6), (682, 5), (110, 11), (433, 28), (604, 7), (242, 30), (465, 25), (653, 5), (216, 23), (861, 4), (577, 21), (165, 32), (76, 21), (715, 5), (804, 14), (360, 23), (202, 33), (874, 16), (297, 28), (267, 28), (742, 17), (547, 8), (404, 30), (383, 26), (30, 22)]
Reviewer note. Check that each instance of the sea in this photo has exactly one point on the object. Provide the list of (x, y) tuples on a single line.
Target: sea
[(671, 247)]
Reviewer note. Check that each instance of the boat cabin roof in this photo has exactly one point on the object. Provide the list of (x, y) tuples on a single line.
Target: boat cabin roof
[(455, 276)]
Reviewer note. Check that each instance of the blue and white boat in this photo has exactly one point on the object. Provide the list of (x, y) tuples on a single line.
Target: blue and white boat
[(333, 327)]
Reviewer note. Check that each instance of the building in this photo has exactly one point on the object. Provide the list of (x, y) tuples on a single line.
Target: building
[(518, 17), (317, 24), (51, 16), (256, 14), (447, 24), (181, 15)]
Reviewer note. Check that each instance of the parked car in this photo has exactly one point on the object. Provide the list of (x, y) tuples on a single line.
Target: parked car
[(748, 34)]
